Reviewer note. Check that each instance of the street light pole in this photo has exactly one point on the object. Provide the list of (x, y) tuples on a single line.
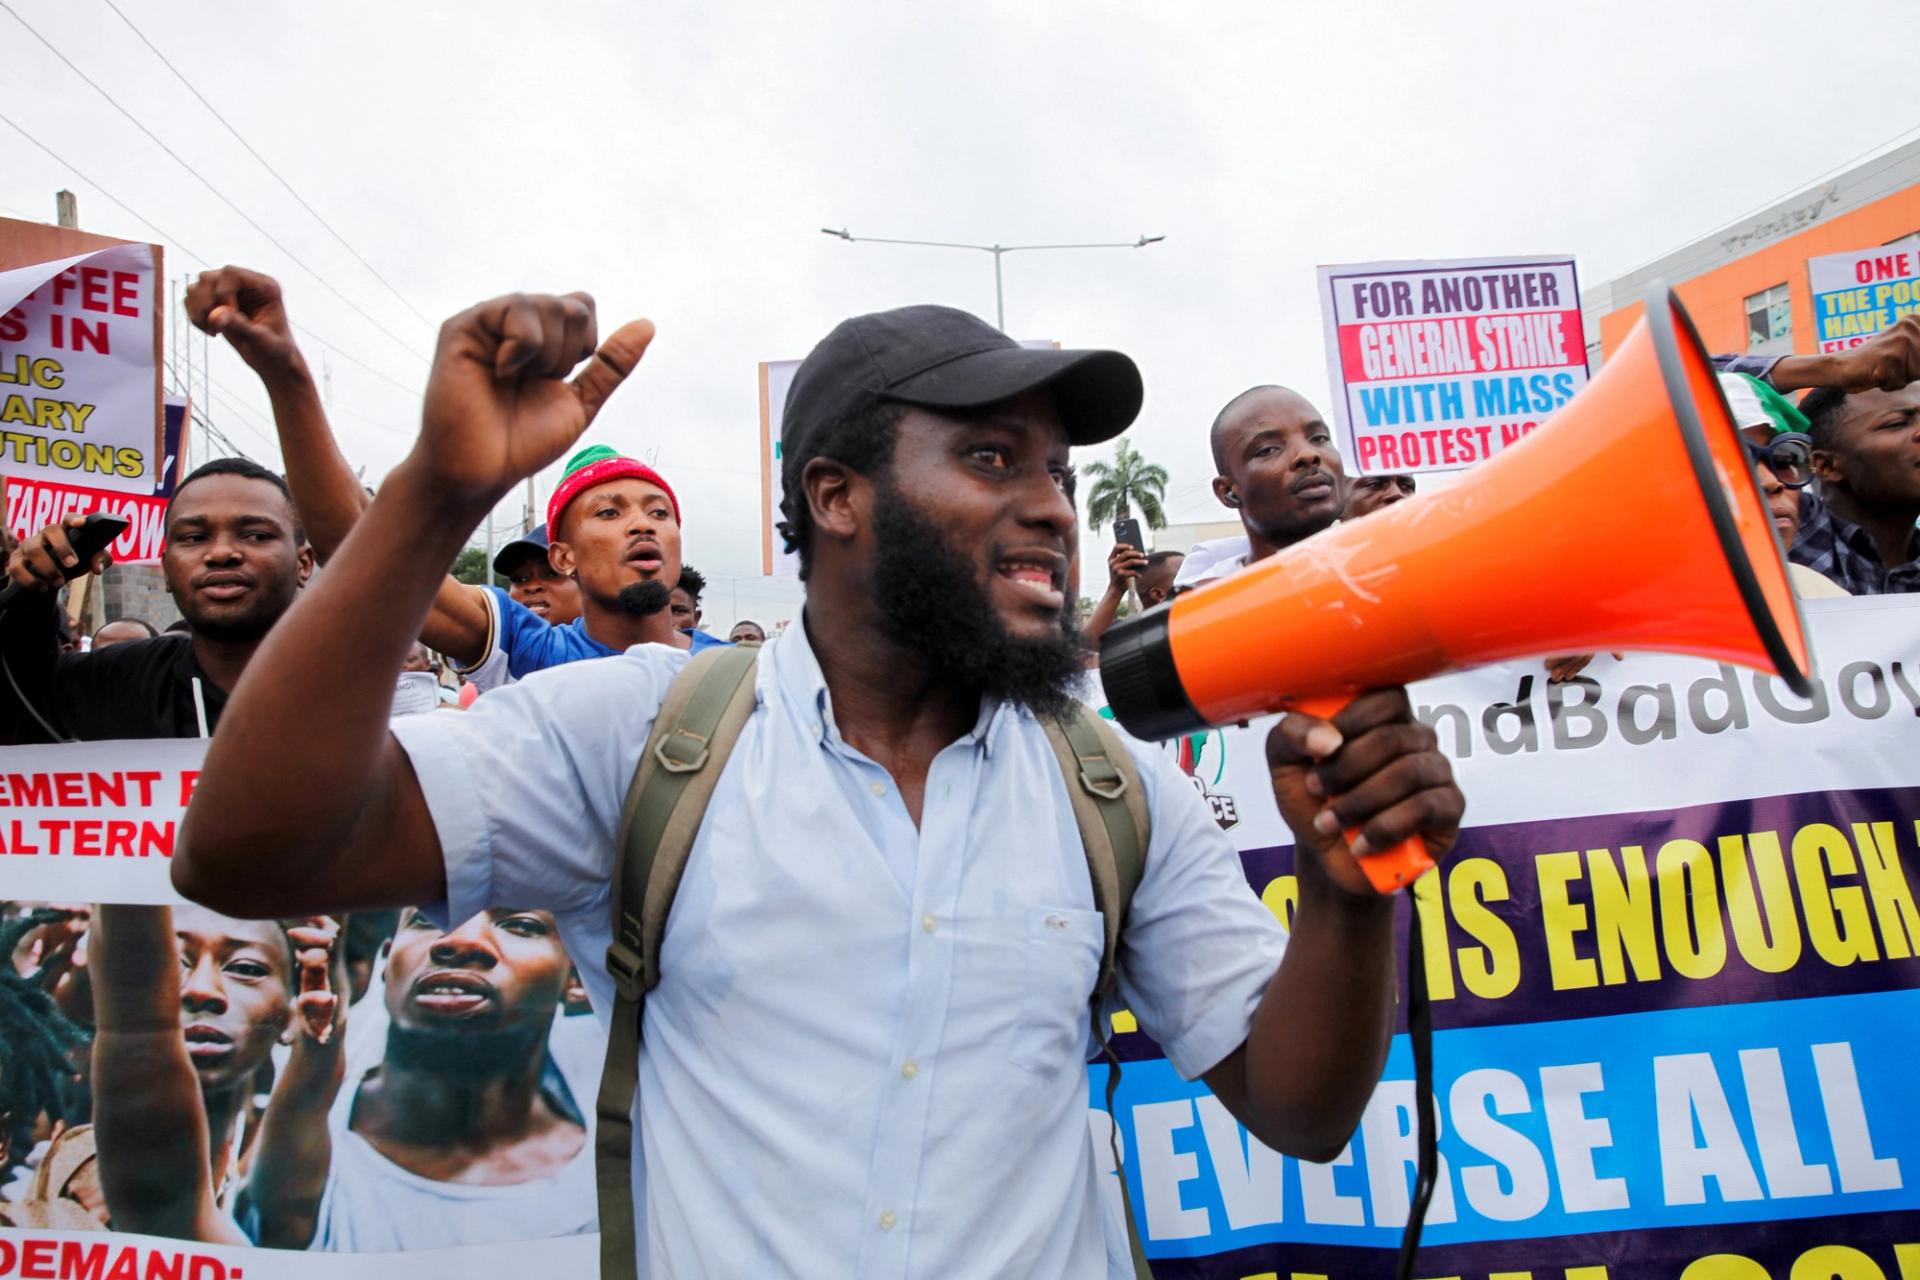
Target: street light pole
[(998, 251)]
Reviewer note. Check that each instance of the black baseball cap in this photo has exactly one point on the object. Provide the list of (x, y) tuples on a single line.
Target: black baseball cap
[(943, 358), (533, 543)]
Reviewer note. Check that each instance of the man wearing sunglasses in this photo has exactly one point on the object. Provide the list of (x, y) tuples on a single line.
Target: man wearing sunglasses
[(1775, 434), (1856, 525)]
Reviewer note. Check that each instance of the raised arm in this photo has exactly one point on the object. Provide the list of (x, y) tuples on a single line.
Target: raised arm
[(247, 309), (1125, 564), (1889, 360), (295, 1150), (303, 764), (147, 1114)]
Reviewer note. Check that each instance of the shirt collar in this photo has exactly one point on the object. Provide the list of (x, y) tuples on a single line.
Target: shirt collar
[(794, 674), (1858, 540)]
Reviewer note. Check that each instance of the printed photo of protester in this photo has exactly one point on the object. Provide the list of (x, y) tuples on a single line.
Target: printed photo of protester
[(368, 1084)]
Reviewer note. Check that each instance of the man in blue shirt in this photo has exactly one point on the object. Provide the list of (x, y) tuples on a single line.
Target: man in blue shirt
[(534, 582), (614, 522), (875, 984)]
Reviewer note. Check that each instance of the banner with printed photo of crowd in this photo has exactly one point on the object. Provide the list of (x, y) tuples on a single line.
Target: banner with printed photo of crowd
[(1438, 365), (1675, 990), (326, 1087)]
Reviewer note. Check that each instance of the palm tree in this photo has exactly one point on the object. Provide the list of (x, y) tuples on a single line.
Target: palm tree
[(1127, 482)]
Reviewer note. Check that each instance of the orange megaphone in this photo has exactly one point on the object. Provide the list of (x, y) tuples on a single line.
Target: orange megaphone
[(1527, 557)]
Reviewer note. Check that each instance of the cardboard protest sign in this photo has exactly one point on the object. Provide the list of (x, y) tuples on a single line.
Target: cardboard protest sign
[(32, 505), (1857, 294), (1675, 971), (79, 379), (1438, 365)]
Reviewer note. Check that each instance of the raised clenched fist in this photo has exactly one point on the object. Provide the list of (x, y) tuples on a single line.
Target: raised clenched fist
[(498, 405)]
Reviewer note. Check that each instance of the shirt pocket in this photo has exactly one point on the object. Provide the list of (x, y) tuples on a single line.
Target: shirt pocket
[(1062, 961)]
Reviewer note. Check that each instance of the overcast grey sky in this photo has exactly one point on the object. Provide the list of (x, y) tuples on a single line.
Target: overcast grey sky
[(678, 159)]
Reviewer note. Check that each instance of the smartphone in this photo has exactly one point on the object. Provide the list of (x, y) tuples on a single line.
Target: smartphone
[(1128, 531)]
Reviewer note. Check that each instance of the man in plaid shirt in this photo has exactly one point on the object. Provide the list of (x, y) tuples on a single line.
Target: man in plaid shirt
[(1857, 525)]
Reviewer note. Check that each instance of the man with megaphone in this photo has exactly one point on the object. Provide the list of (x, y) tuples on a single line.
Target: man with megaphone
[(874, 987)]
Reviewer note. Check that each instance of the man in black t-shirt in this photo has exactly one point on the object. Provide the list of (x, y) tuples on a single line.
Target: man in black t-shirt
[(234, 560)]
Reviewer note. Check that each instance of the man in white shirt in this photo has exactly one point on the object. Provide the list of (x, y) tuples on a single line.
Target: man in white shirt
[(1278, 470), (866, 1055), (460, 1135)]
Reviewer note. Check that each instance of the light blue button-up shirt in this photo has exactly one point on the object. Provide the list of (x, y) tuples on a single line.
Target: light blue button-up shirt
[(867, 1053)]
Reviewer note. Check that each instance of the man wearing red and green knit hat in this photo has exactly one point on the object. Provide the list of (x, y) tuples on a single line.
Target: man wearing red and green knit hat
[(613, 525)]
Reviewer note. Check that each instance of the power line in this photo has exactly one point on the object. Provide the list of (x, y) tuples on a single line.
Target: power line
[(174, 240), (218, 194), (181, 245), (225, 123)]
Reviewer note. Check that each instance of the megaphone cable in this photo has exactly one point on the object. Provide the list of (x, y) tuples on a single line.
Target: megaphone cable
[(1420, 1038)]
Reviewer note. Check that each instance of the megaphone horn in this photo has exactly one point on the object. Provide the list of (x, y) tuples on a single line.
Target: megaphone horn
[(1534, 553)]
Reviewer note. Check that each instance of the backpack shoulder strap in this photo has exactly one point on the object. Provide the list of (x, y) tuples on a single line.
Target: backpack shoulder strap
[(699, 721), (1110, 807)]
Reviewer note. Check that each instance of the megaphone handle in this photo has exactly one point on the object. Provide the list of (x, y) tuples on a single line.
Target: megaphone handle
[(1389, 870)]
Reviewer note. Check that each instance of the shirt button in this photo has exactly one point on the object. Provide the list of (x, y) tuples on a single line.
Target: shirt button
[(878, 788), (887, 1220), (909, 1068), (929, 924)]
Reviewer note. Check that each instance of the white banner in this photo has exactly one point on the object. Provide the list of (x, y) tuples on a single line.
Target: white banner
[(1674, 965)]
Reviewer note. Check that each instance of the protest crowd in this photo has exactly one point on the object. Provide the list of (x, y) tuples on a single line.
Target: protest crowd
[(382, 1026)]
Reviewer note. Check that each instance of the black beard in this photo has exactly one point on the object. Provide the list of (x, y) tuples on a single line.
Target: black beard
[(644, 599), (466, 1053), (930, 601)]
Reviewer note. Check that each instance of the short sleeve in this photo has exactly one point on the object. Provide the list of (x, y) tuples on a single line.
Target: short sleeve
[(524, 636), (525, 788), (1200, 947), (493, 657)]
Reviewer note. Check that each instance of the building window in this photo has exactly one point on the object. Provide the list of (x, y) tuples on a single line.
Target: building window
[(1770, 321)]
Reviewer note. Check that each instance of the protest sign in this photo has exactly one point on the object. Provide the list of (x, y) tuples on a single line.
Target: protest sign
[(32, 505), (1857, 294), (775, 560), (1438, 365), (79, 380), (1673, 971)]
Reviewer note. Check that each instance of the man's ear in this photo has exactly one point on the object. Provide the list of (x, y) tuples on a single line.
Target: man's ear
[(838, 497), (1223, 490), (305, 558), (1828, 466), (560, 556)]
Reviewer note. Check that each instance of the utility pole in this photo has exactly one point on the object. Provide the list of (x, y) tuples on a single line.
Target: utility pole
[(83, 602)]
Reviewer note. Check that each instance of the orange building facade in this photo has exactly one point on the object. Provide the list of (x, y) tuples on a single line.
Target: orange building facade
[(1746, 286)]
